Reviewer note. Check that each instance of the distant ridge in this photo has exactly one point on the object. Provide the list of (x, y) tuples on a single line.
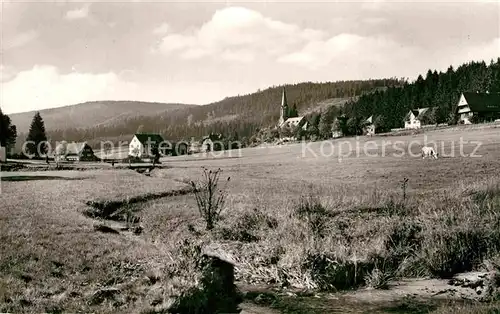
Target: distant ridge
[(93, 114)]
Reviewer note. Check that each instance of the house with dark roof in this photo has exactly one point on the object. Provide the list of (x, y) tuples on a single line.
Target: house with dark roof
[(415, 118), (74, 151), (141, 144), (480, 106)]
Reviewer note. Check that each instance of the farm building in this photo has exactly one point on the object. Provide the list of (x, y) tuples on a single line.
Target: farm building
[(416, 118), (141, 144), (480, 106), (74, 152), (369, 128), (3, 154)]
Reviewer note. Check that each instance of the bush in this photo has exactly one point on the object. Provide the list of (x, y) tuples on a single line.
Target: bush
[(245, 225), (329, 273), (210, 199), (314, 214), (448, 252)]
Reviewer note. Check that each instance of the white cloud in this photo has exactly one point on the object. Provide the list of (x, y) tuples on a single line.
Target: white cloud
[(162, 29), (77, 14), (237, 34), (343, 49), (44, 87), (19, 40)]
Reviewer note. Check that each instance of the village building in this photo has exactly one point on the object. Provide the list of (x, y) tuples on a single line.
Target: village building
[(289, 122), (142, 143), (415, 118), (74, 152), (481, 106), (369, 128), (336, 129)]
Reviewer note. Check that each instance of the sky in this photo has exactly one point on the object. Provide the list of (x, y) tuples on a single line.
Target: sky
[(61, 53)]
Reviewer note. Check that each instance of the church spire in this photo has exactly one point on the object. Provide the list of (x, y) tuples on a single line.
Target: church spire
[(284, 102), (283, 109)]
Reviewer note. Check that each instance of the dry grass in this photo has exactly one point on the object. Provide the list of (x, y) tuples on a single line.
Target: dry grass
[(51, 258)]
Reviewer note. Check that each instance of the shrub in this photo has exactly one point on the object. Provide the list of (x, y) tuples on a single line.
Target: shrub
[(210, 199), (378, 279), (448, 252), (243, 227), (314, 214), (329, 273)]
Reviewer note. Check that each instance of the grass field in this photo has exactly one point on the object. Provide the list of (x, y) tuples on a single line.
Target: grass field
[(292, 219)]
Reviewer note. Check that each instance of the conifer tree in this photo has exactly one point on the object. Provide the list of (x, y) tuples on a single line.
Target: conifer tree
[(8, 131), (37, 140)]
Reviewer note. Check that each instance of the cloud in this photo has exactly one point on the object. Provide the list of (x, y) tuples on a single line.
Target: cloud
[(19, 40), (345, 49), (161, 29), (237, 34), (78, 14), (44, 87), (6, 73)]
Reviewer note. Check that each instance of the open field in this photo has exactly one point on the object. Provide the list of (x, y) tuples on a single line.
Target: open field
[(52, 259)]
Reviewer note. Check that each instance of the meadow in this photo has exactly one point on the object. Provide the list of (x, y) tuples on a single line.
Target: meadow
[(295, 218)]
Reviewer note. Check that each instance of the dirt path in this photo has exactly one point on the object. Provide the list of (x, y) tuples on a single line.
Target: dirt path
[(400, 297), (249, 308)]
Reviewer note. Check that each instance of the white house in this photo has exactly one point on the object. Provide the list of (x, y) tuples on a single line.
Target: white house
[(369, 128), (485, 106), (140, 146), (3, 154), (413, 119)]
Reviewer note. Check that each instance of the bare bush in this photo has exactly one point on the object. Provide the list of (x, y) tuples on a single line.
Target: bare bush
[(210, 198)]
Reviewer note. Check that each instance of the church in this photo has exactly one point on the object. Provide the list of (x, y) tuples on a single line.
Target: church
[(285, 119)]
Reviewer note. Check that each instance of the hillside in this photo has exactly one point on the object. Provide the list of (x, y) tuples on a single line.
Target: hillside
[(92, 114), (440, 90), (241, 115)]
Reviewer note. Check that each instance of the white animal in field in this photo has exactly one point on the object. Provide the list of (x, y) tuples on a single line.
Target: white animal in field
[(429, 152)]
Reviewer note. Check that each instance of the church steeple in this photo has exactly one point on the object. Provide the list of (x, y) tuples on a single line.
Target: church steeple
[(283, 109), (284, 103)]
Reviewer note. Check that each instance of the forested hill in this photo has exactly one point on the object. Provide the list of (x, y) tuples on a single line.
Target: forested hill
[(441, 90), (92, 114), (240, 114)]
